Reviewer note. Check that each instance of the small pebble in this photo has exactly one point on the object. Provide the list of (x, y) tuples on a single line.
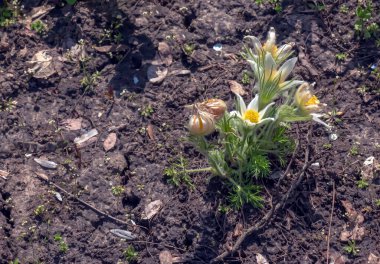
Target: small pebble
[(333, 136), (218, 47), (135, 80)]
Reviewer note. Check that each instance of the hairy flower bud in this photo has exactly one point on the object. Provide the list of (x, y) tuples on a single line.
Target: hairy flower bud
[(306, 101), (201, 124), (216, 107)]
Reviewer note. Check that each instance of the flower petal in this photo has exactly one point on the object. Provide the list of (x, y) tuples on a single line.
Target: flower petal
[(236, 114), (254, 104), (257, 48), (286, 69), (316, 118), (262, 112), (284, 50), (241, 105), (271, 39), (290, 84), (269, 66), (266, 120)]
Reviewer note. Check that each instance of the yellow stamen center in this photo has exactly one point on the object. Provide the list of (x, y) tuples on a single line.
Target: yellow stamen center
[(251, 115), (312, 101)]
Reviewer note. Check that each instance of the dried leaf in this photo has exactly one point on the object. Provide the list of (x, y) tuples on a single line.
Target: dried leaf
[(236, 88), (125, 234), (151, 209), (38, 12), (357, 233), (156, 74), (41, 66), (337, 258), (352, 214), (238, 230), (150, 132), (111, 48), (165, 257), (110, 141), (261, 259), (46, 163), (165, 53), (42, 175), (373, 259), (79, 141), (72, 123)]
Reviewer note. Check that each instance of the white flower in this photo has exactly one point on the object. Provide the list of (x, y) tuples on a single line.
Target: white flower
[(308, 103), (269, 74), (251, 114), (270, 46)]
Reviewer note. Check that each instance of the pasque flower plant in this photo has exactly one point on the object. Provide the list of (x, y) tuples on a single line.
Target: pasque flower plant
[(251, 138)]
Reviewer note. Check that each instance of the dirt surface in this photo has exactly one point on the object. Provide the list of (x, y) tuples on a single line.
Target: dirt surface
[(190, 224)]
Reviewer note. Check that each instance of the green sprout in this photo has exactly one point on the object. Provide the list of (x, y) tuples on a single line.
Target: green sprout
[(39, 210), (362, 26), (343, 9), (362, 184), (130, 254), (188, 48), (9, 12), (246, 79), (377, 202), (16, 261), (117, 190), (90, 81), (8, 105), (178, 174), (146, 111), (327, 146), (354, 150), (351, 248), (341, 56), (38, 26), (63, 247)]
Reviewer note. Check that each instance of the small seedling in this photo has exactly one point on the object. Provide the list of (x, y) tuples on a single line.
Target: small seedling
[(117, 190), (38, 26), (363, 15), (377, 202), (362, 89), (224, 209), (354, 150), (16, 261), (39, 210), (71, 2), (130, 254), (188, 48), (8, 105), (246, 79), (327, 146), (177, 173), (343, 9), (146, 111), (341, 56), (63, 247), (89, 81), (9, 12), (351, 248), (362, 184)]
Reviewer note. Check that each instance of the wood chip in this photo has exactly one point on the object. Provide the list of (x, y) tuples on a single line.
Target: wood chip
[(4, 174), (110, 141), (156, 74), (236, 88), (165, 257)]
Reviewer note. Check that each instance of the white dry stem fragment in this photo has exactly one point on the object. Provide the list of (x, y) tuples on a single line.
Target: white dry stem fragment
[(58, 196), (80, 141), (46, 163), (151, 209), (4, 174), (156, 74), (125, 234)]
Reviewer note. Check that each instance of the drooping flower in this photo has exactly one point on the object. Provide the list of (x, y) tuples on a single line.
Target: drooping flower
[(250, 114), (309, 103), (216, 107), (278, 53), (201, 123)]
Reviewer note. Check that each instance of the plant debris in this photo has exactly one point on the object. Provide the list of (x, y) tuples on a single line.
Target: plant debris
[(236, 88), (125, 234), (82, 140), (165, 257), (46, 163), (152, 209), (42, 65), (165, 53), (110, 141), (156, 74)]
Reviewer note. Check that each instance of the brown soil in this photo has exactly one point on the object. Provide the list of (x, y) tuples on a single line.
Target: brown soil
[(189, 225)]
